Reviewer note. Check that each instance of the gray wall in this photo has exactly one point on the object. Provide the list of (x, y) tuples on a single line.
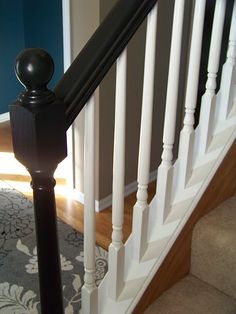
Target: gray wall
[(85, 18)]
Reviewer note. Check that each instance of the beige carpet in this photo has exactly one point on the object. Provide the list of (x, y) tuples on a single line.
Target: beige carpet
[(211, 286), (193, 296), (214, 248)]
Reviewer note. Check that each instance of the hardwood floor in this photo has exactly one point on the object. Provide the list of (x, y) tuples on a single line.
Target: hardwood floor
[(5, 137), (69, 210)]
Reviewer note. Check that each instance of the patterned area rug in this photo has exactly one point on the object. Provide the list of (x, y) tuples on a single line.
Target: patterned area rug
[(19, 291)]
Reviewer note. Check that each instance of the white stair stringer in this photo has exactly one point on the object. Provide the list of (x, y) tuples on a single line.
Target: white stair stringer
[(139, 275), (220, 132), (201, 165), (230, 122)]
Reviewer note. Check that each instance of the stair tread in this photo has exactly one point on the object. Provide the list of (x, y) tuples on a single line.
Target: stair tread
[(191, 295), (223, 217), (213, 256)]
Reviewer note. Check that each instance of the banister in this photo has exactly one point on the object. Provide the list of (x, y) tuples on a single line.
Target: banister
[(39, 119), (99, 54)]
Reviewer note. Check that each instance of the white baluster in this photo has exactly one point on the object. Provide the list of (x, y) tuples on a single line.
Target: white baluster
[(89, 290), (67, 47), (187, 134), (228, 81), (165, 170), (209, 98), (140, 214), (116, 249)]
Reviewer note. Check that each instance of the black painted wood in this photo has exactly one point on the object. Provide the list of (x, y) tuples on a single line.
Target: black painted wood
[(99, 54), (39, 142)]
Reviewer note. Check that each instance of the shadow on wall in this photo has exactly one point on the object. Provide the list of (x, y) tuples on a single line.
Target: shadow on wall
[(27, 24)]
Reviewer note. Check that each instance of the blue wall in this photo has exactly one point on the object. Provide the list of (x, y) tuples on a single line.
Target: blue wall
[(12, 41), (43, 28), (27, 24)]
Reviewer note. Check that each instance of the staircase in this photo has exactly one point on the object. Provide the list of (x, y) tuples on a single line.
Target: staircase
[(211, 285), (41, 117)]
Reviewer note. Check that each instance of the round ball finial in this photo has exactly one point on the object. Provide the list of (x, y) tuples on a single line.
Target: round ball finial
[(34, 68)]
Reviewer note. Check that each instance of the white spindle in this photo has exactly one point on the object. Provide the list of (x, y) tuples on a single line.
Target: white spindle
[(116, 249), (67, 47), (165, 170), (89, 290), (209, 98), (140, 215), (187, 134), (228, 79)]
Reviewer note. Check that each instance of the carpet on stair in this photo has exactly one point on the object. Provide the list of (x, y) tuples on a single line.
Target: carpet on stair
[(193, 296), (213, 257)]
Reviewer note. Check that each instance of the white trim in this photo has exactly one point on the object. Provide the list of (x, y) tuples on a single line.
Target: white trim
[(181, 224), (78, 196), (66, 22), (67, 59), (107, 201), (4, 117), (139, 275), (103, 203), (153, 176)]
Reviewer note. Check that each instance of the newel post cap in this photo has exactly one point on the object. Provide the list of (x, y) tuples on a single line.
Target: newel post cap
[(37, 116), (34, 68)]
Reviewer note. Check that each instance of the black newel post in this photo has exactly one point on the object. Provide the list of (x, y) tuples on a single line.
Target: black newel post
[(39, 141)]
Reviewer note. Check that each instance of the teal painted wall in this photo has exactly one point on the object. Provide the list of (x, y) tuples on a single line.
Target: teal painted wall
[(12, 41), (43, 28), (27, 24)]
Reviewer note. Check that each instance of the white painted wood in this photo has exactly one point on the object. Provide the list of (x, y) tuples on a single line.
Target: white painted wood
[(187, 134), (140, 214), (116, 248), (207, 113), (66, 21), (139, 275), (89, 289), (228, 78), (139, 272), (119, 151), (164, 241), (4, 117), (67, 59), (165, 170)]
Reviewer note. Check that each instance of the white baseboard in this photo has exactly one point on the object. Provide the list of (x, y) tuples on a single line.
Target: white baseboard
[(4, 117), (78, 196), (107, 201)]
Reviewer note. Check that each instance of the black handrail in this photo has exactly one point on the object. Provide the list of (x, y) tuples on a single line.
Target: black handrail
[(99, 54)]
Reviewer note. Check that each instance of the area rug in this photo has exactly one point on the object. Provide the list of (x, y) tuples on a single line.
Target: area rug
[(19, 291)]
